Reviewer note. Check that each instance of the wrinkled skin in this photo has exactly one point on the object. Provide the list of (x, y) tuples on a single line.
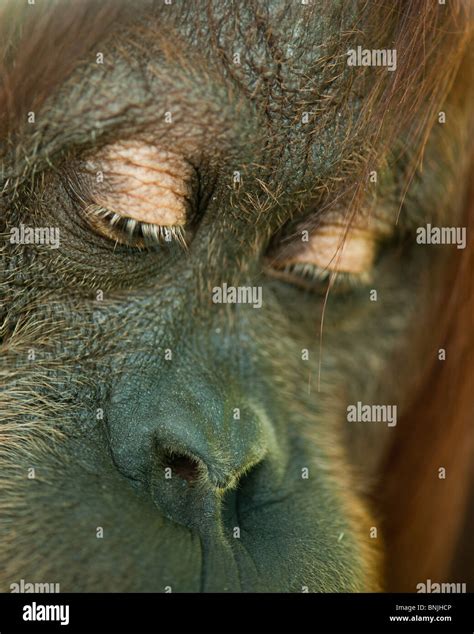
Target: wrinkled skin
[(102, 411)]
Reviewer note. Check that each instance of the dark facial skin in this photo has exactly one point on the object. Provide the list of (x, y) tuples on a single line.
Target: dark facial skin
[(104, 409)]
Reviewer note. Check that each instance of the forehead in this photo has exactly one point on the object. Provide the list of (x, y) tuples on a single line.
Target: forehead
[(223, 72)]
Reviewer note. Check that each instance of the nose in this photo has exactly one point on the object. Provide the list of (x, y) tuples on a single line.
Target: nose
[(186, 443)]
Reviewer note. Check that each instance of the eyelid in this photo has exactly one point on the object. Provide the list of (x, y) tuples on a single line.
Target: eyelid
[(135, 194), (334, 251), (141, 182), (339, 249)]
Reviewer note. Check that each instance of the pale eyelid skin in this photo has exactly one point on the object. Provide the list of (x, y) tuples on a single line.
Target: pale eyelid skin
[(335, 246), (142, 182)]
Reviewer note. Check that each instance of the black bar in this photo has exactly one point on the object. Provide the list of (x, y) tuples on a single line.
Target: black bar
[(141, 613)]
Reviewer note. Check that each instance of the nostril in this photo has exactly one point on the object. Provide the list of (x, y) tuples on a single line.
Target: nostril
[(183, 466)]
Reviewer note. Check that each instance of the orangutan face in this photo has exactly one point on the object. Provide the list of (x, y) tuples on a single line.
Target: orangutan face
[(213, 295)]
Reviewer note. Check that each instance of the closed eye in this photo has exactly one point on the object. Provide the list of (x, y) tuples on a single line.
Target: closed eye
[(333, 254), (135, 194)]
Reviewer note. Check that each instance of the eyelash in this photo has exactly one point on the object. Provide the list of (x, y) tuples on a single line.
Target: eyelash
[(131, 231), (314, 278)]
